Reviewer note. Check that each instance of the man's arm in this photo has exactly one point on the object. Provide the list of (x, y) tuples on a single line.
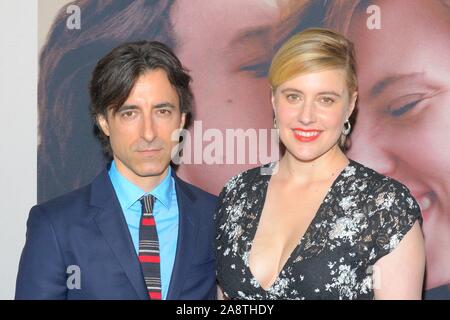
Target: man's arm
[(42, 273)]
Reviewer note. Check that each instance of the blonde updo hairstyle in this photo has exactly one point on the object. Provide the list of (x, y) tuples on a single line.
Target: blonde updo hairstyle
[(314, 50)]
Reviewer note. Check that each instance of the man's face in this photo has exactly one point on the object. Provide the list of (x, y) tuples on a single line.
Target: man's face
[(140, 132), (227, 46)]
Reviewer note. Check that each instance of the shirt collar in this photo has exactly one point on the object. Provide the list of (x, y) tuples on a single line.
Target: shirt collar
[(128, 193)]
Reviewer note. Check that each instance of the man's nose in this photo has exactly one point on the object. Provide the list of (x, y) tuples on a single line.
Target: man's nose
[(148, 128)]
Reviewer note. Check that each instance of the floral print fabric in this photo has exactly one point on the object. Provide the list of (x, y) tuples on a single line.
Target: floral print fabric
[(363, 217)]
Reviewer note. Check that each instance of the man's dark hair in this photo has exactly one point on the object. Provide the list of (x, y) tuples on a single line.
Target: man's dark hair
[(116, 73), (66, 63)]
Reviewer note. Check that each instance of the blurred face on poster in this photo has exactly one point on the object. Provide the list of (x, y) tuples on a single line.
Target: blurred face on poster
[(227, 46), (403, 124)]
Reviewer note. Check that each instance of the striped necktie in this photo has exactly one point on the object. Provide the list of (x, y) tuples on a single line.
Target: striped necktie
[(149, 248)]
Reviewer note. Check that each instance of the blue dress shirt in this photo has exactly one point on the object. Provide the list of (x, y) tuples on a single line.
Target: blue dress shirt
[(165, 211)]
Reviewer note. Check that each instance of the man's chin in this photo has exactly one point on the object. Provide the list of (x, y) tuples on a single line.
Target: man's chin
[(150, 171)]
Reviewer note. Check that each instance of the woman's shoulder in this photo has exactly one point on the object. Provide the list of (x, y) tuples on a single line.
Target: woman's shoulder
[(378, 183), (389, 207), (240, 195), (249, 177)]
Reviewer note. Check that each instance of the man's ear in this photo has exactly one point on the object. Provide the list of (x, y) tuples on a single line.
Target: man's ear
[(103, 124), (183, 120)]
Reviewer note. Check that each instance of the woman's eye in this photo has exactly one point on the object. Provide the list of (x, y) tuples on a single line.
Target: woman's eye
[(402, 109), (292, 97), (326, 100), (258, 70)]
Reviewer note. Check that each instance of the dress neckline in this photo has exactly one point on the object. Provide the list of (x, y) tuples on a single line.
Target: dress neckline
[(301, 243)]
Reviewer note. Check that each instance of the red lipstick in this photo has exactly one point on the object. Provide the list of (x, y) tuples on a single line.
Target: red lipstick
[(306, 135)]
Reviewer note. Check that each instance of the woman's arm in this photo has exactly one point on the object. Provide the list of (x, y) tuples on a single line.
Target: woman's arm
[(400, 274), (220, 295)]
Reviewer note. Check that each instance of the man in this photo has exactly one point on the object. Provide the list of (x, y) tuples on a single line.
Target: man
[(137, 231), (227, 57)]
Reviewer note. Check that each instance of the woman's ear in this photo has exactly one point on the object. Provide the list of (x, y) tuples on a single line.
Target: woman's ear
[(352, 103), (272, 99), (103, 124)]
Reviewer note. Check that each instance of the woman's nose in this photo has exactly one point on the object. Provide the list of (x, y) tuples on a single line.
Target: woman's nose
[(306, 113)]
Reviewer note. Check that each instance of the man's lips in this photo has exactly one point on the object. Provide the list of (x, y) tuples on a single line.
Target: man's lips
[(149, 151)]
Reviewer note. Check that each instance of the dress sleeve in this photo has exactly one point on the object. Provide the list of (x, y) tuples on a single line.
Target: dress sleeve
[(221, 215), (224, 199), (396, 213)]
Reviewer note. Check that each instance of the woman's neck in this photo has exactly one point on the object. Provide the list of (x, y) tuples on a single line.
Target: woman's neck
[(323, 168)]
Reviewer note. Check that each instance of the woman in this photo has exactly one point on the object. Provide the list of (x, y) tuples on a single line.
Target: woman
[(406, 61), (321, 226)]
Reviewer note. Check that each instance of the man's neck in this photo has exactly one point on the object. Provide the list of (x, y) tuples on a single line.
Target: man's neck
[(146, 183)]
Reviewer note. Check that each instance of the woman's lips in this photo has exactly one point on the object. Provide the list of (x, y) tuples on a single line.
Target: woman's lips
[(306, 135)]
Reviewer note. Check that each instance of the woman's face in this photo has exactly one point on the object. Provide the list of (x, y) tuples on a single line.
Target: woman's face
[(226, 45), (403, 124), (310, 110)]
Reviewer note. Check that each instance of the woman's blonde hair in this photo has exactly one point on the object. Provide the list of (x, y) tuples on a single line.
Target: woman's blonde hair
[(312, 50)]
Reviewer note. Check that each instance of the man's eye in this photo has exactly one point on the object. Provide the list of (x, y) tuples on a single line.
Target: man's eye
[(164, 112), (128, 114), (402, 109)]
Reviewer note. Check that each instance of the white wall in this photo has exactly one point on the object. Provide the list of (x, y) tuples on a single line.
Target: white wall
[(18, 132)]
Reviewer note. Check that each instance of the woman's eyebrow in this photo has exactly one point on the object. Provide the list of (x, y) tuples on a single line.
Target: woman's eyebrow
[(391, 80), (260, 34)]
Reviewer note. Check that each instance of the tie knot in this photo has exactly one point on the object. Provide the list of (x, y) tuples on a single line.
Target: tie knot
[(147, 203)]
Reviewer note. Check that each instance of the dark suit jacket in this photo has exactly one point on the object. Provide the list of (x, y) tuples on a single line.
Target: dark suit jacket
[(86, 228)]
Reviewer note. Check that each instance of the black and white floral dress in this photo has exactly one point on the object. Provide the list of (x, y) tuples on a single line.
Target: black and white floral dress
[(362, 218)]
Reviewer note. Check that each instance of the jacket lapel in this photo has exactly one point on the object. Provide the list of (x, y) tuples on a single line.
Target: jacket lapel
[(187, 235), (111, 222)]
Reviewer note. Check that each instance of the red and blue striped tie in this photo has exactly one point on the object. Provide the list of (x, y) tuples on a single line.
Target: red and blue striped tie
[(149, 249)]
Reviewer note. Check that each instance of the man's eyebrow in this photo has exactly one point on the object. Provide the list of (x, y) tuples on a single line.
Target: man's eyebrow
[(127, 107), (164, 105), (391, 80)]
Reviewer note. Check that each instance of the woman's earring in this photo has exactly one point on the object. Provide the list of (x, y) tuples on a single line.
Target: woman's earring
[(275, 123), (347, 128)]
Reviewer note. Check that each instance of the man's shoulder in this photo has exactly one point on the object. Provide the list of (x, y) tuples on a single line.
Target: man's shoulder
[(63, 206), (79, 200), (199, 194)]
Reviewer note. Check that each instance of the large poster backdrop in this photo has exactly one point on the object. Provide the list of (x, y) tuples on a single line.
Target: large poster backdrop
[(402, 127)]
